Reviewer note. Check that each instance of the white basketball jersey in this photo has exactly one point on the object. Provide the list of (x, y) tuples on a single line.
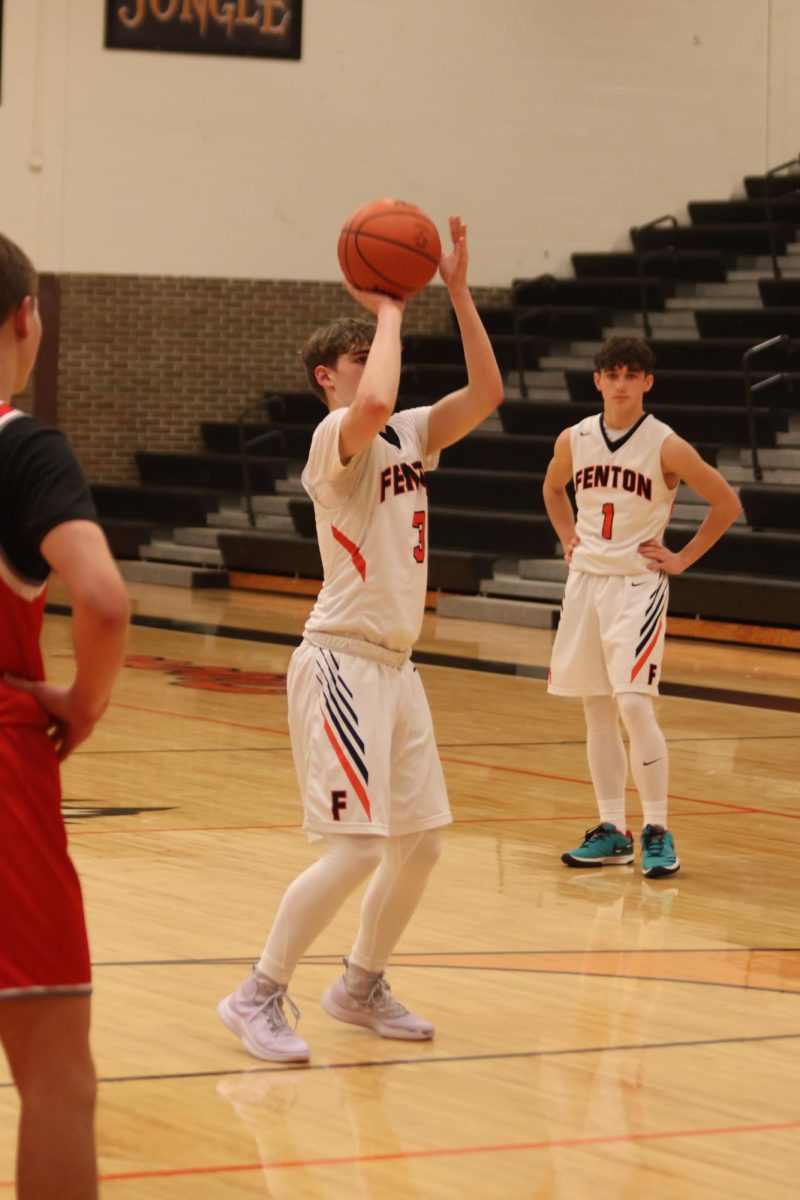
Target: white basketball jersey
[(621, 495), (372, 528)]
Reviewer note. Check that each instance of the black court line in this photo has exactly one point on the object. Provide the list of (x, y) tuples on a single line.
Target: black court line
[(449, 1058), (455, 662), (482, 967), (770, 737), (313, 960)]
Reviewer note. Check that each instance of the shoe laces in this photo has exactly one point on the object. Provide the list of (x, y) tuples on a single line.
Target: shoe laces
[(599, 831), (381, 1000), (653, 840), (272, 1008)]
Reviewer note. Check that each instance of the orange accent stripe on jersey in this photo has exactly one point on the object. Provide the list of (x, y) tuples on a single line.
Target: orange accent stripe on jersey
[(646, 653), (348, 770), (352, 550)]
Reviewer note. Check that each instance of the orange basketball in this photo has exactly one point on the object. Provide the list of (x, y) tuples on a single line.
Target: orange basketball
[(389, 246)]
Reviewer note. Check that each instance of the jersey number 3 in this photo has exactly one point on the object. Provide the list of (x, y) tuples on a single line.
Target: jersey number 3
[(419, 524), (608, 521)]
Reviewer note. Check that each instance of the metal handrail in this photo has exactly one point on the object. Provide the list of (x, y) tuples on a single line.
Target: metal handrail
[(781, 340), (792, 162), (246, 445), (646, 255)]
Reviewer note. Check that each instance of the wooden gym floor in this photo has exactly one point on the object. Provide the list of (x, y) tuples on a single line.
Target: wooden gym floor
[(598, 1034)]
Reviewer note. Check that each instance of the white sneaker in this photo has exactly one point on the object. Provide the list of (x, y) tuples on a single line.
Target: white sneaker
[(254, 1012), (379, 1012)]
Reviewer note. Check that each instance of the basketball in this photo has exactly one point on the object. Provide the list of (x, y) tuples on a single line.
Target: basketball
[(389, 246)]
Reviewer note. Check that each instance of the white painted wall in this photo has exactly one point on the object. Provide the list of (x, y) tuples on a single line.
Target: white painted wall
[(553, 125)]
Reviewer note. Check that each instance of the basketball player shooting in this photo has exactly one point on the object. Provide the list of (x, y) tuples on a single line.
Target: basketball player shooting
[(361, 730), (625, 466)]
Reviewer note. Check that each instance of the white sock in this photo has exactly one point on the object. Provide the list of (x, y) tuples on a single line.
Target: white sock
[(608, 764), (649, 755)]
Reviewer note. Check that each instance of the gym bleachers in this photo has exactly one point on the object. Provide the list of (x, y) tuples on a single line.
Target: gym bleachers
[(710, 294)]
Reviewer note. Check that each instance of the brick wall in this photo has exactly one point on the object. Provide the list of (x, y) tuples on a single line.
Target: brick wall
[(144, 359)]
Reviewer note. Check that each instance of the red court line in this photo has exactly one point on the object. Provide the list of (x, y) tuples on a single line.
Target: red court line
[(451, 1151), (764, 812), (469, 762), (166, 712)]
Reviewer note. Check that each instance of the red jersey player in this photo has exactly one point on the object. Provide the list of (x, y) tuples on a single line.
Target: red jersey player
[(46, 521)]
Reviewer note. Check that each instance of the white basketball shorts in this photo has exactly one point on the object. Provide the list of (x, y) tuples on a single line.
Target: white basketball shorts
[(611, 635), (363, 744)]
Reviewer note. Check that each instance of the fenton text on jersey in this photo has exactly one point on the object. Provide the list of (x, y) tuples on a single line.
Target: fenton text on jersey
[(614, 477), (401, 478)]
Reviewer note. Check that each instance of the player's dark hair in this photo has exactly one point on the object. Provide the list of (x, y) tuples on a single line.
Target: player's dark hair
[(17, 277), (323, 348), (632, 353)]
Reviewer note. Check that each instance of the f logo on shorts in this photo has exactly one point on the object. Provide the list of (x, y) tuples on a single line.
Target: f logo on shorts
[(338, 802), (652, 672)]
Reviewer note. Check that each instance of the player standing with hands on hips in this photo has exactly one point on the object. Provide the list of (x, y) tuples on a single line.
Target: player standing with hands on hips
[(47, 520), (361, 730), (625, 466)]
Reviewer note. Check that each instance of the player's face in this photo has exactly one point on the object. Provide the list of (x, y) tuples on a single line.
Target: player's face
[(346, 374), (622, 388)]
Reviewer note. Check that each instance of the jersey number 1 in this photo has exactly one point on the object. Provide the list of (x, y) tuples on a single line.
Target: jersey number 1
[(608, 521), (419, 524)]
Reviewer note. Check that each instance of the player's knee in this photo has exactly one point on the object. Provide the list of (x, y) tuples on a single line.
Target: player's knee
[(358, 855), (634, 708), (600, 711), (68, 1082), (417, 851), (428, 849)]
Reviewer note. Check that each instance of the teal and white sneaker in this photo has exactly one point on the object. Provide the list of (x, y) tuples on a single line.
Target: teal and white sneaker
[(658, 852), (602, 846)]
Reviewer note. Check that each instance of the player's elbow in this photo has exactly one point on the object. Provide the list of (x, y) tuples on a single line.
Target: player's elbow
[(495, 396), (376, 408), (105, 604), (731, 507)]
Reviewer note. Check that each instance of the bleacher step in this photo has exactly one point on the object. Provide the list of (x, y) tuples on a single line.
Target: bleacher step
[(753, 274), (544, 395), (172, 552), (505, 612), (663, 335), (276, 506), (554, 569), (564, 362), (660, 321), (172, 574), (191, 535), (734, 473), (763, 263), (733, 288), (232, 519), (693, 303), (522, 589), (779, 459)]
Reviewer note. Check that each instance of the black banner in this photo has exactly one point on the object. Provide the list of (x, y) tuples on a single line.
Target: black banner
[(260, 28)]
